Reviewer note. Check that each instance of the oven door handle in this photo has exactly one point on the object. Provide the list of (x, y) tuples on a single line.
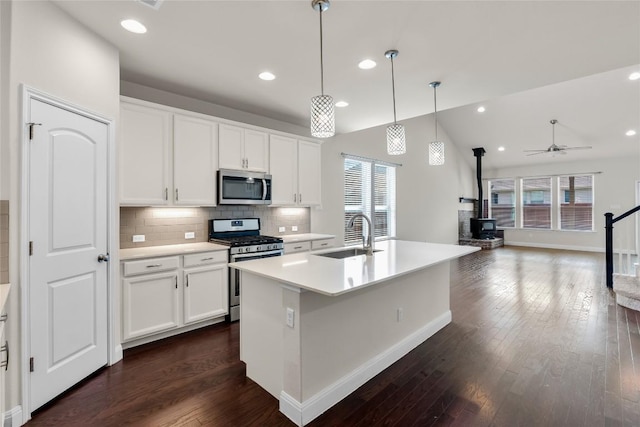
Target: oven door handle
[(239, 257)]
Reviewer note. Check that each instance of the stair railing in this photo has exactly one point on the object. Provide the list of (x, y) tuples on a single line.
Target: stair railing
[(609, 221)]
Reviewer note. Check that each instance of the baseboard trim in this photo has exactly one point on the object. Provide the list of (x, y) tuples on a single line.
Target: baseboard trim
[(13, 417), (552, 246), (305, 412)]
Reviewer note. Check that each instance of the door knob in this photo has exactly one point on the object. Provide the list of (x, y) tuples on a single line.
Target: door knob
[(103, 257)]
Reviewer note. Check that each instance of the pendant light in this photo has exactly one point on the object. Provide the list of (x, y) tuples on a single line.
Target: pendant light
[(323, 122), (436, 148), (396, 143)]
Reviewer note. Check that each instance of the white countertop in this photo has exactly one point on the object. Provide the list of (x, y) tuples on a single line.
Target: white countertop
[(333, 277), (167, 250), (305, 237)]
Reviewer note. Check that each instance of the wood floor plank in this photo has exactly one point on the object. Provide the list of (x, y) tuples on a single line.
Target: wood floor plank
[(536, 340)]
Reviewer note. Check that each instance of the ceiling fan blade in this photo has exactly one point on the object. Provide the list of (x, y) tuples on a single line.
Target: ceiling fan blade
[(578, 148), (535, 151), (539, 152)]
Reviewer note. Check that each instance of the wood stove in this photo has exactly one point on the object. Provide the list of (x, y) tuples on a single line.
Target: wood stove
[(483, 228)]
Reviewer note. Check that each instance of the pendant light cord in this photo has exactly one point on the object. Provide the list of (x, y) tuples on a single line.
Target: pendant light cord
[(393, 90), (321, 58), (435, 109)]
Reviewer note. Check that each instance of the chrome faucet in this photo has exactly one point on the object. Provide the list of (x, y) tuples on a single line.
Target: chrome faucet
[(366, 245)]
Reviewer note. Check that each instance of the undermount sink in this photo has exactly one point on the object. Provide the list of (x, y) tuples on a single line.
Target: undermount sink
[(346, 253)]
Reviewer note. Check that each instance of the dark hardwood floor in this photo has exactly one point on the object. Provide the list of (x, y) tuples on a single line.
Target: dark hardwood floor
[(536, 340)]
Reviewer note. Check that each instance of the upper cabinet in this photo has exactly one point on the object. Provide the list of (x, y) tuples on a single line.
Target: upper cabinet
[(195, 160), (241, 148), (295, 169), (166, 158), (144, 146)]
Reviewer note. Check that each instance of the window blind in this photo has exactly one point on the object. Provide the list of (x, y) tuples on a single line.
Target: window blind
[(370, 189)]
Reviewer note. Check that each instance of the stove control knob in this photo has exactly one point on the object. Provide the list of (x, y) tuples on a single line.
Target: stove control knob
[(239, 250), (258, 248)]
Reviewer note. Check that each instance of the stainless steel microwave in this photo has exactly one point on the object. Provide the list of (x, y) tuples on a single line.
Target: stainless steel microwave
[(243, 187)]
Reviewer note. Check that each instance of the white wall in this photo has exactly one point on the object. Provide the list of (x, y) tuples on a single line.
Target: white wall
[(51, 52), (427, 196), (5, 33), (614, 191), (158, 96)]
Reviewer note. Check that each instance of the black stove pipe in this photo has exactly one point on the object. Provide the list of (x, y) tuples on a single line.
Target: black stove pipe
[(478, 153)]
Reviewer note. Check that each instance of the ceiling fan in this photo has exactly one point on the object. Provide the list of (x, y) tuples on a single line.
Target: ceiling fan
[(553, 148)]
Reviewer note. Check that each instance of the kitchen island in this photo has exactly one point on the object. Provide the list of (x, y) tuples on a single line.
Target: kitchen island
[(313, 328)]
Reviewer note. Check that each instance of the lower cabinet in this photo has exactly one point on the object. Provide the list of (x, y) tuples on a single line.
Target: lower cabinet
[(192, 289), (306, 245), (205, 293)]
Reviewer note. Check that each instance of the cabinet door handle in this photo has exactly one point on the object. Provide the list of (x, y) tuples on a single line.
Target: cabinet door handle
[(5, 347), (176, 194), (166, 193), (207, 259), (187, 280), (4, 317), (300, 198), (176, 282), (295, 197), (154, 265)]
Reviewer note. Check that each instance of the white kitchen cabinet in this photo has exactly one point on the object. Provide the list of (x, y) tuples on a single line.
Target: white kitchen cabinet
[(323, 244), (309, 170), (150, 304), (144, 147), (295, 170), (166, 158), (195, 158), (243, 149), (167, 295), (205, 292), (292, 248)]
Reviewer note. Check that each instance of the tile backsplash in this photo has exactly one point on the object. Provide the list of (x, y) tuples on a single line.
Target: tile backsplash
[(167, 226), (4, 241)]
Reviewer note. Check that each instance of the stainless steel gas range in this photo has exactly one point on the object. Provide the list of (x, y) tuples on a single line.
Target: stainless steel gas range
[(245, 243)]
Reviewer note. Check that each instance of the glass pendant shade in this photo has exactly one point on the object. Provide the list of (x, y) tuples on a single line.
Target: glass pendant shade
[(396, 143), (436, 153), (436, 148), (323, 122)]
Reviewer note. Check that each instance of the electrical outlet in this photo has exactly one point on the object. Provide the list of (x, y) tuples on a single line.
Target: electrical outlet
[(400, 314), (137, 238), (294, 228), (190, 235), (282, 229), (291, 313)]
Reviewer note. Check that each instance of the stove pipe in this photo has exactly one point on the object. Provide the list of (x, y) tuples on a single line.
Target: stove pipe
[(478, 153)]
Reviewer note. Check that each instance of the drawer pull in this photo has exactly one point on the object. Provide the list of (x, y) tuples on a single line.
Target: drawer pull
[(207, 259), (5, 348), (324, 244), (297, 247), (154, 265)]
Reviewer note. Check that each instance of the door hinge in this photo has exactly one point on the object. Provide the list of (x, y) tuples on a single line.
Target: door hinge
[(31, 364), (31, 125), (30, 248)]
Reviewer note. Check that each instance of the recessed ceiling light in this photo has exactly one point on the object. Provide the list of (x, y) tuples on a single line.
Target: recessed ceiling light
[(500, 148), (265, 75), (630, 132), (342, 104), (481, 109), (133, 26), (367, 64), (634, 76)]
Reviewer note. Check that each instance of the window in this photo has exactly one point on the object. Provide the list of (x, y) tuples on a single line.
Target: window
[(367, 194), (503, 202), (576, 202), (536, 203)]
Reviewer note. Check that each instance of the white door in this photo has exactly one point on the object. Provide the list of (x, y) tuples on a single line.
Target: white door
[(283, 163), (309, 170), (205, 293), (256, 150), (231, 147), (68, 231)]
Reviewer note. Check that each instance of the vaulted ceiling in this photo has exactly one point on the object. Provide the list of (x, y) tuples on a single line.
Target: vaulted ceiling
[(527, 62)]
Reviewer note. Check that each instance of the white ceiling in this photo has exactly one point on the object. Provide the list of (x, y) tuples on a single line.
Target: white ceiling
[(527, 61)]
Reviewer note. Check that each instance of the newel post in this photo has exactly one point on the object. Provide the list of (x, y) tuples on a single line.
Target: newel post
[(608, 226)]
